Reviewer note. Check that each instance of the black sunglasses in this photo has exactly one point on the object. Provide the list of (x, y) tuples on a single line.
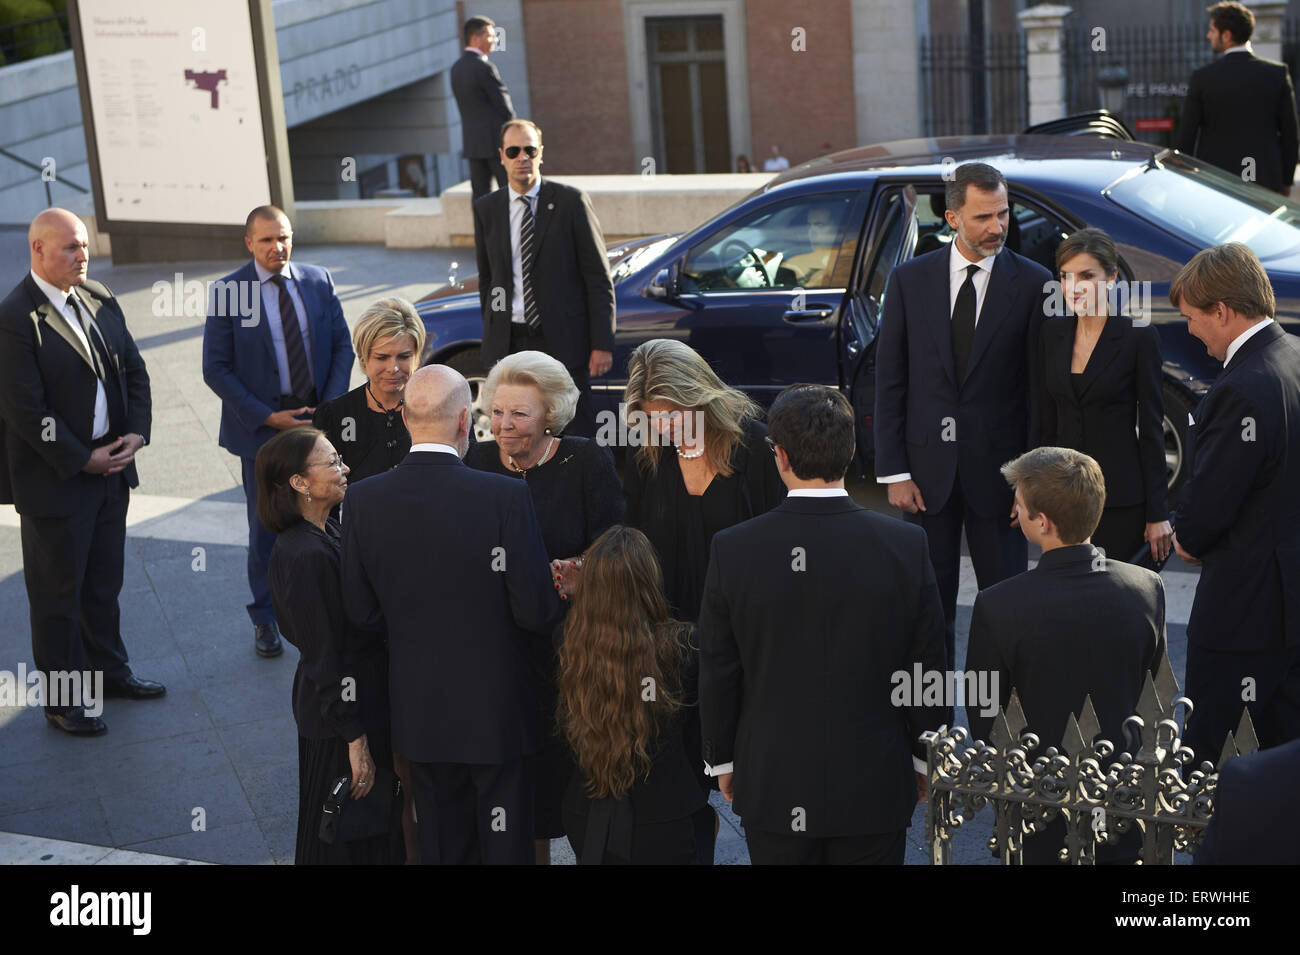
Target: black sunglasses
[(513, 151)]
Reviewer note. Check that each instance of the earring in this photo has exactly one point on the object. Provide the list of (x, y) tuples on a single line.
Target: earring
[(548, 430), (309, 497)]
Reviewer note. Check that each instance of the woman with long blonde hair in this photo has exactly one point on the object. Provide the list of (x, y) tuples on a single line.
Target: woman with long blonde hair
[(627, 682)]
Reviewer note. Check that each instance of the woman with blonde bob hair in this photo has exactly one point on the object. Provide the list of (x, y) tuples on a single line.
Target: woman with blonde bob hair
[(531, 399), (637, 796), (703, 464)]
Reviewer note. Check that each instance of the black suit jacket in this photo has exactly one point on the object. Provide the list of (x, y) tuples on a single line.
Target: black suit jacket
[(1074, 625), (797, 665), (451, 562), (1254, 793), (484, 104), (1121, 383), (1240, 512), (571, 281), (47, 396), (929, 424), (1241, 107)]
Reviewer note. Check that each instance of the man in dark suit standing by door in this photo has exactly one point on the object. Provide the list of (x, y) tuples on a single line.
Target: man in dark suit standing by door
[(450, 563), (74, 410), (1240, 514), (544, 280), (956, 372), (1240, 110), (269, 373), (484, 105), (810, 613), (1077, 625)]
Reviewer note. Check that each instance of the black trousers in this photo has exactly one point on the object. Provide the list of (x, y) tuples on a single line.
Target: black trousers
[(772, 848), (997, 550), (472, 814), (481, 174), (73, 569), (1215, 685), (583, 425)]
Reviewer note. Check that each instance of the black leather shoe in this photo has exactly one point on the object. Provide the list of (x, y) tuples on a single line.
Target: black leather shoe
[(76, 722), (267, 640), (134, 688)]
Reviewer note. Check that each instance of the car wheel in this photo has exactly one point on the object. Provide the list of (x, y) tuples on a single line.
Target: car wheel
[(1177, 407), (470, 364)]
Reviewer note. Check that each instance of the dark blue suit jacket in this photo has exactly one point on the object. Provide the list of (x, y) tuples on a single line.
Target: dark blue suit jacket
[(239, 358), (1240, 513), (929, 424), (450, 562), (1254, 796)]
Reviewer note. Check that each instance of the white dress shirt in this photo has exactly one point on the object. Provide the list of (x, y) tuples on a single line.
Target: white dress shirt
[(957, 264), (271, 309), (1244, 337), (433, 446), (1244, 48), (59, 299), (516, 260)]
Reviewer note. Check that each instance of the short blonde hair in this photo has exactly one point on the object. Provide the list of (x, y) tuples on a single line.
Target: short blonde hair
[(664, 369), (1064, 484), (541, 371), (385, 319)]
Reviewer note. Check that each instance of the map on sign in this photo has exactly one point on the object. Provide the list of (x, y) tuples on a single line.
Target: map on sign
[(207, 81)]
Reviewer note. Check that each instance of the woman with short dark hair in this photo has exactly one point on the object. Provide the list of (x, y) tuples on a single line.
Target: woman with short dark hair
[(340, 689)]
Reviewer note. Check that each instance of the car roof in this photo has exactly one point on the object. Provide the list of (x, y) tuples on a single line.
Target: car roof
[(1026, 157)]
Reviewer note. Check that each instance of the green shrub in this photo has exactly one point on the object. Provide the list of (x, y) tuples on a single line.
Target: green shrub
[(32, 39)]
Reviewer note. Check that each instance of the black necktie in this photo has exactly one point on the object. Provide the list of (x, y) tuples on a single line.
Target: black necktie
[(963, 324), (531, 316), (295, 349), (98, 357), (104, 368)]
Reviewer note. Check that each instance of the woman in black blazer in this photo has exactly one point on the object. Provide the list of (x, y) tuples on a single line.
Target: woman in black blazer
[(1101, 377), (628, 707)]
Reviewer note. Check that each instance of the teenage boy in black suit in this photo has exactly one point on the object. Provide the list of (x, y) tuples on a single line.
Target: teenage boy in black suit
[(450, 561), (544, 282), (1240, 514), (1076, 625), (810, 611), (956, 370)]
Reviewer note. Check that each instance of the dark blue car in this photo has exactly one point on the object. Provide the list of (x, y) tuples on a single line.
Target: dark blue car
[(788, 285)]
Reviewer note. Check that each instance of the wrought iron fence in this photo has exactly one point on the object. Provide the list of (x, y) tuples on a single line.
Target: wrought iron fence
[(1160, 788), (28, 39), (972, 84)]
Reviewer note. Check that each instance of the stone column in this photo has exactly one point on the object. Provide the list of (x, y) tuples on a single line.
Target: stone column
[(1044, 26), (886, 70), (1267, 38)]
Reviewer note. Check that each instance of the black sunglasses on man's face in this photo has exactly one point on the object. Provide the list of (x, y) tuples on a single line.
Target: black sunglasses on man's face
[(513, 151)]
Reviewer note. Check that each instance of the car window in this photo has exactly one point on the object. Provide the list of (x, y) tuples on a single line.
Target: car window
[(1210, 207), (797, 243), (892, 217)]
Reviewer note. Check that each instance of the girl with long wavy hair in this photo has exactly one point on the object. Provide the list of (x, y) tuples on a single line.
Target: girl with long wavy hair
[(627, 706)]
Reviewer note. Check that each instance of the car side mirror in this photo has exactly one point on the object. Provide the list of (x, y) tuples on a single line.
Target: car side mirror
[(663, 286)]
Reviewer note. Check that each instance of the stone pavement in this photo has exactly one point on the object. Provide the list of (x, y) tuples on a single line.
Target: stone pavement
[(209, 773)]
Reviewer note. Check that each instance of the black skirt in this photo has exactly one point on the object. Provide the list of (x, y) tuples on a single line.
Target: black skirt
[(320, 763)]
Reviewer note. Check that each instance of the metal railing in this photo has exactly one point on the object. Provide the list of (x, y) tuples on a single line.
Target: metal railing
[(49, 199), (972, 84), (1161, 789), (29, 39)]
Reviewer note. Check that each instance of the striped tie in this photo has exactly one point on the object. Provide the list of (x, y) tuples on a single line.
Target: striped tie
[(531, 316), (295, 349)]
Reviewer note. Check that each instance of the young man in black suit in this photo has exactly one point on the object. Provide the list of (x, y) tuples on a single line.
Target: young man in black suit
[(484, 104), (544, 282), (1240, 110), (1253, 794), (75, 409), (1076, 625), (450, 562), (956, 376), (1240, 515), (810, 612)]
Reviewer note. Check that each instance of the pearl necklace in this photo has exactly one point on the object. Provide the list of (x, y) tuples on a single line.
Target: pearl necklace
[(542, 460), (689, 455)]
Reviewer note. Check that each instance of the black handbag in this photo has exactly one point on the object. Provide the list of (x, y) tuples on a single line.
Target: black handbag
[(344, 819), (1143, 558)]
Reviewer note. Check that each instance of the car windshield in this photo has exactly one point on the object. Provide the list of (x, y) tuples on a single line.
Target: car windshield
[(640, 257), (1210, 207)]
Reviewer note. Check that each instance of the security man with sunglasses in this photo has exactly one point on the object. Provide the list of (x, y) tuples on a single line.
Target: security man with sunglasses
[(544, 281)]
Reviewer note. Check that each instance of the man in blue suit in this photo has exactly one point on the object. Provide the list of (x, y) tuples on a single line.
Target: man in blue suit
[(1253, 796), (270, 374), (955, 378)]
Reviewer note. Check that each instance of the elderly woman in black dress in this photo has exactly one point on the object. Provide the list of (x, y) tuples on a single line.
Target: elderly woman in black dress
[(366, 423), (576, 495), (340, 689), (704, 466)]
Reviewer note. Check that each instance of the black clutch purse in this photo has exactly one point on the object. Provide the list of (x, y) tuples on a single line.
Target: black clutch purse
[(344, 819), (1143, 558)]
